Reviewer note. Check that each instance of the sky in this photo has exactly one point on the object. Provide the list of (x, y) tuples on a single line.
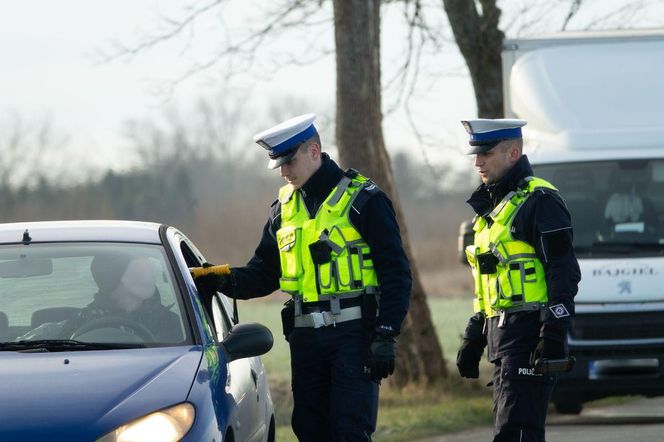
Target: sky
[(54, 68)]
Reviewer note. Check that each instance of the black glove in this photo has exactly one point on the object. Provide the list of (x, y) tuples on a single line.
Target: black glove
[(468, 359), (210, 278), (380, 361), (549, 349), (472, 348), (552, 341)]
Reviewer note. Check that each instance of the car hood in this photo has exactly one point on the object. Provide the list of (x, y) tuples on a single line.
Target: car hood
[(82, 395)]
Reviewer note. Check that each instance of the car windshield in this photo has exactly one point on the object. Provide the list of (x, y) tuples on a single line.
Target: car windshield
[(617, 207), (67, 295)]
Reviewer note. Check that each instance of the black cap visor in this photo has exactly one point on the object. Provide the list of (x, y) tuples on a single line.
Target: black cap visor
[(482, 148), (278, 160), (485, 146)]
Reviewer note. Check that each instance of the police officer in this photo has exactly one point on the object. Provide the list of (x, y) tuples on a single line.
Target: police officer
[(332, 242), (526, 277)]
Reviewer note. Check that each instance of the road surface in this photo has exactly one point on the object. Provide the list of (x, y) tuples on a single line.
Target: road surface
[(641, 420)]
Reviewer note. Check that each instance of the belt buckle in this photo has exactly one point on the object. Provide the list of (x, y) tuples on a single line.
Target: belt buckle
[(318, 319)]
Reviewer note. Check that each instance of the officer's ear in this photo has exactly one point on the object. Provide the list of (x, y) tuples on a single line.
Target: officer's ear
[(515, 149), (315, 150)]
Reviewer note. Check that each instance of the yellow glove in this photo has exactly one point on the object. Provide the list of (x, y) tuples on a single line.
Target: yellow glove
[(210, 279), (219, 270)]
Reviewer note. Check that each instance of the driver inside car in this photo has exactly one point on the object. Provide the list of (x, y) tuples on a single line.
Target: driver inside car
[(127, 299)]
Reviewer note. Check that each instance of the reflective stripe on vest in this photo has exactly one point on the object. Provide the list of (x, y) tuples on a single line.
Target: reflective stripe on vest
[(349, 271), (518, 282)]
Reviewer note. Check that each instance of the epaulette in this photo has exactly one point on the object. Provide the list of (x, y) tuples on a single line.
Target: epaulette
[(371, 187), (368, 190), (351, 173)]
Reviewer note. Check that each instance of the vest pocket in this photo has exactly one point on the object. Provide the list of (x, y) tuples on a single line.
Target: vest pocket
[(290, 285), (521, 274), (288, 240), (327, 280), (513, 282)]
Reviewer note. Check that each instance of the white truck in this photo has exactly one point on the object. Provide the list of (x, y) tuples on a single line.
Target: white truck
[(595, 109)]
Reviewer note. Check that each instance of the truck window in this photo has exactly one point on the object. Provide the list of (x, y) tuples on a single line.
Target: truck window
[(616, 206)]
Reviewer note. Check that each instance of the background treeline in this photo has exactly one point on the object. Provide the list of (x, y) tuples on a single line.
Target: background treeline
[(187, 175)]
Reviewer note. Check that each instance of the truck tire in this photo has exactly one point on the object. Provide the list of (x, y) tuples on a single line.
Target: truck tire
[(569, 407)]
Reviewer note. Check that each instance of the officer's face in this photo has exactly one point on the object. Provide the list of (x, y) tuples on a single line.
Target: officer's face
[(494, 164), (304, 163)]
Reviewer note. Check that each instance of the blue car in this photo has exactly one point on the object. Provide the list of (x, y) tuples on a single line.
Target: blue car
[(103, 337)]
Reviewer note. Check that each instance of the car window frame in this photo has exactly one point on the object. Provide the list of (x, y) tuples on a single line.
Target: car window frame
[(219, 331)]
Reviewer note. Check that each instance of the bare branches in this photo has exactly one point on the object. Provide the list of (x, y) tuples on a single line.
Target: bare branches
[(420, 37), (238, 51), (29, 152), (174, 28), (619, 18), (573, 9)]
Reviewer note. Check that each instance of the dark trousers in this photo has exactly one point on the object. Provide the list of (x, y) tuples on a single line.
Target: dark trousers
[(334, 400), (520, 400)]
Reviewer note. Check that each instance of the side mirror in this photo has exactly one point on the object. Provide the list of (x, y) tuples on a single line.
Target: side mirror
[(247, 340), (466, 238)]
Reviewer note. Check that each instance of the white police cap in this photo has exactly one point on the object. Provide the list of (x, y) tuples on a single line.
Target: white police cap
[(486, 133), (282, 140)]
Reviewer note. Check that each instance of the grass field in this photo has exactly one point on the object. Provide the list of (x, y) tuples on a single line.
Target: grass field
[(403, 415)]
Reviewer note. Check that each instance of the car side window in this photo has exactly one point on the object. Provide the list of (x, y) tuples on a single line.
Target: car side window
[(219, 316), (189, 256)]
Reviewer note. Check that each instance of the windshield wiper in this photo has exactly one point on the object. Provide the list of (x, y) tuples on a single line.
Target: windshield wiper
[(62, 345)]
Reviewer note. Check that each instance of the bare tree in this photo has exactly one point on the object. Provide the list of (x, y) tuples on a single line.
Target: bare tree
[(480, 41), (360, 143)]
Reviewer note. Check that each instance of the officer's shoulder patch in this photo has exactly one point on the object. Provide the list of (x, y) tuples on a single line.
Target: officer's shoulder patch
[(559, 311)]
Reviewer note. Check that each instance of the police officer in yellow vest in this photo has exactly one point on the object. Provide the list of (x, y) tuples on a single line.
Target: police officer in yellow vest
[(333, 244), (526, 276)]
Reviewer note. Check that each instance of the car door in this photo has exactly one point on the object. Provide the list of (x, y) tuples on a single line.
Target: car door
[(246, 379), (244, 375)]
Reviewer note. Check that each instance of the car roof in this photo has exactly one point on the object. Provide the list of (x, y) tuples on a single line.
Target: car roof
[(88, 230)]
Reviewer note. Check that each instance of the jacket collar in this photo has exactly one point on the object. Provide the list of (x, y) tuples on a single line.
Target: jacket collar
[(323, 180), (486, 197)]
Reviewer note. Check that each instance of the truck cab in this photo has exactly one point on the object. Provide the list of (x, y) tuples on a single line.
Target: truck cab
[(595, 130)]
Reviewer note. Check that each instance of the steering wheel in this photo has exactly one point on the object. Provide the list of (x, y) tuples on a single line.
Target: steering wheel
[(115, 322)]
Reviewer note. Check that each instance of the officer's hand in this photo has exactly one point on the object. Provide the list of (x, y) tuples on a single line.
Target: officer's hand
[(549, 349), (380, 361), (552, 341), (468, 358), (472, 347), (211, 278)]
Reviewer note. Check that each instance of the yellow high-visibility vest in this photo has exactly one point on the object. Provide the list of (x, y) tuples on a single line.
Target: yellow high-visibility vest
[(518, 282), (349, 270)]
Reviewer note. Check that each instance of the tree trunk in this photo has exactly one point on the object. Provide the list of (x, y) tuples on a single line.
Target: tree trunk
[(480, 42), (359, 136)]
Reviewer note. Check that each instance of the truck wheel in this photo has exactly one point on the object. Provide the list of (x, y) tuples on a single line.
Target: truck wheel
[(568, 407)]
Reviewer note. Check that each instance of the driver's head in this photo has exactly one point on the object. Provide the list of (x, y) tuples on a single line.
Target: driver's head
[(107, 270), (139, 278), (123, 280)]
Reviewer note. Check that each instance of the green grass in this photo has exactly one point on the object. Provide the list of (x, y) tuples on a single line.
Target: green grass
[(403, 415)]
